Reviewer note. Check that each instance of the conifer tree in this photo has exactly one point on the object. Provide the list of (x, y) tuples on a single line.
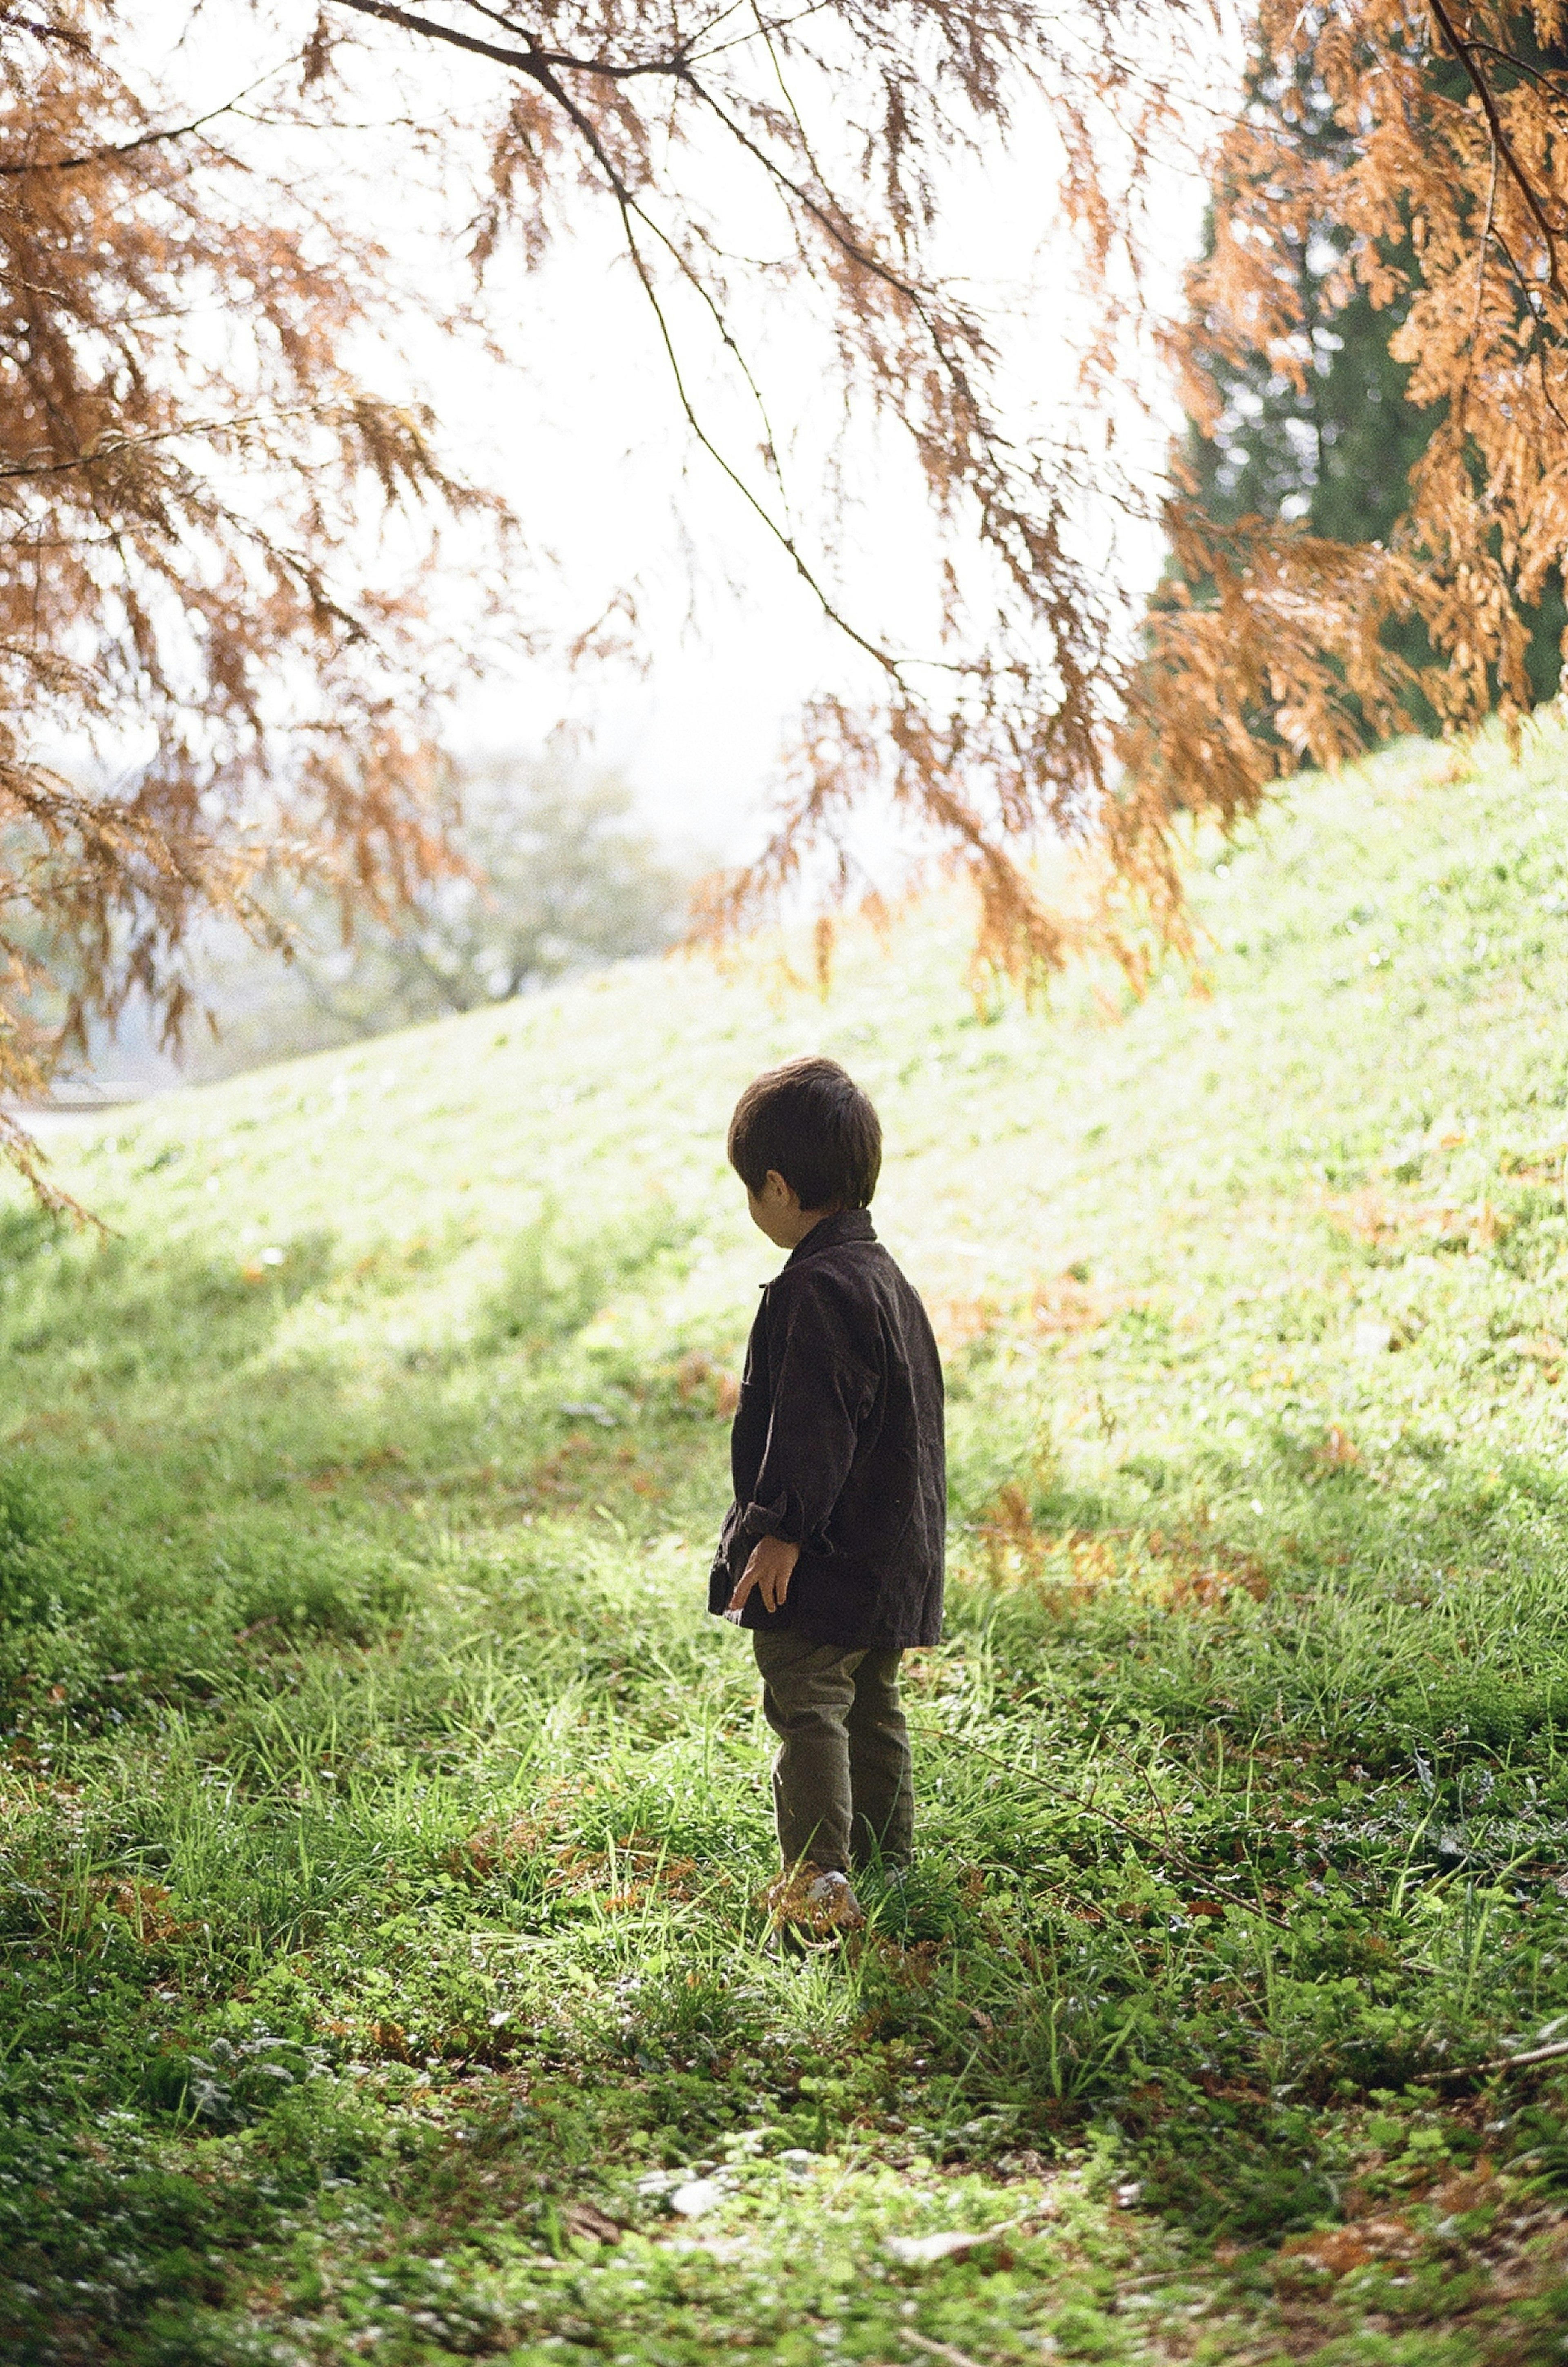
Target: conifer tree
[(1333, 451)]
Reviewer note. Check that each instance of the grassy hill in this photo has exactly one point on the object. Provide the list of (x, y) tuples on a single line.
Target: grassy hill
[(382, 1821)]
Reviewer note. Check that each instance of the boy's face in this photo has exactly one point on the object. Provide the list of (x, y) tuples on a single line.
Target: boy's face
[(776, 1211)]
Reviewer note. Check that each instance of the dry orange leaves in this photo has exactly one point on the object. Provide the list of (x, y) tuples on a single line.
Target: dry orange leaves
[(108, 1906), (1338, 1451), (700, 1382), (170, 607), (1382, 1221), (1517, 2241), (1070, 1566), (625, 1875), (144, 1905), (1057, 1307)]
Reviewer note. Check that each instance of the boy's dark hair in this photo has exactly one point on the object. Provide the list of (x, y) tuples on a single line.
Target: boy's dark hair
[(811, 1123)]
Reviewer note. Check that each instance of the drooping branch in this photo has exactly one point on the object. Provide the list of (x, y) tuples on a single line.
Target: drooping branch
[(184, 557), (1467, 53), (1035, 703), (136, 592), (164, 135)]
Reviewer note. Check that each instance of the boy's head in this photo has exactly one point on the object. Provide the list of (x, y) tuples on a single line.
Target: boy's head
[(805, 1142)]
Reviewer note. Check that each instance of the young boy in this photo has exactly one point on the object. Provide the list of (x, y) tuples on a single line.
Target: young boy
[(831, 1553)]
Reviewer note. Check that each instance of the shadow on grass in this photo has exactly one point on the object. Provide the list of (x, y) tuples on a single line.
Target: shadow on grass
[(555, 1282)]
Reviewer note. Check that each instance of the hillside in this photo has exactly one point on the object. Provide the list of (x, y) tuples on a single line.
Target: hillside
[(383, 1820)]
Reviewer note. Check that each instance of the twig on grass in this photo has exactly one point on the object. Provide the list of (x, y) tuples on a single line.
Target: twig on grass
[(1536, 2054), (1081, 1807), (948, 2350), (1171, 1853), (1555, 2053)]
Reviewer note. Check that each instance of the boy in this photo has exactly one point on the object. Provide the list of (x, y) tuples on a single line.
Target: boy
[(831, 1553)]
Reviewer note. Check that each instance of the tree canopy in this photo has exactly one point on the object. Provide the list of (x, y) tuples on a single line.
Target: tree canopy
[(207, 660), (1442, 180), (183, 553)]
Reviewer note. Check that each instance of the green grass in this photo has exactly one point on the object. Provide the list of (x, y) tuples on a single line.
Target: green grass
[(383, 1820)]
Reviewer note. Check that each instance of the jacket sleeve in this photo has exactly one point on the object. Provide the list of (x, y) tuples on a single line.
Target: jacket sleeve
[(820, 1388)]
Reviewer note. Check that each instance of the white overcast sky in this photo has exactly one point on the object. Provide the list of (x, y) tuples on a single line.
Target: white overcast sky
[(580, 429)]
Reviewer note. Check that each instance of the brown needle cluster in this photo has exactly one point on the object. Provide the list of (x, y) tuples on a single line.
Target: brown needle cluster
[(207, 663), (1448, 185)]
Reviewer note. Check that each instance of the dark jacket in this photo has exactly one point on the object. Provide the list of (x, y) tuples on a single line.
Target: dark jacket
[(838, 1447)]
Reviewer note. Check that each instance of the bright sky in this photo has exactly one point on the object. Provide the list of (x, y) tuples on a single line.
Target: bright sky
[(579, 427)]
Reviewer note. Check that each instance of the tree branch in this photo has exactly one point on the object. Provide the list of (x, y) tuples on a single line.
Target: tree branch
[(72, 41), (1462, 51)]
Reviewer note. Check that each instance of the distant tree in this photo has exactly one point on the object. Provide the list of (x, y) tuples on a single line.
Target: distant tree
[(558, 878)]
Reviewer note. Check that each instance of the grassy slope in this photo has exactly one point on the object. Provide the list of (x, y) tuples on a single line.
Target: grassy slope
[(382, 1818)]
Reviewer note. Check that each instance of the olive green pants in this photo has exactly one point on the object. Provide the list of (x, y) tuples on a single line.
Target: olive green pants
[(842, 1792)]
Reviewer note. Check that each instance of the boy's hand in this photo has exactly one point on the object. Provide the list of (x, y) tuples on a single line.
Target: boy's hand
[(769, 1567)]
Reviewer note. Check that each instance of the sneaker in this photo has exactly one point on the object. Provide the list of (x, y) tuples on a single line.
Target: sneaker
[(811, 1905), (832, 1904)]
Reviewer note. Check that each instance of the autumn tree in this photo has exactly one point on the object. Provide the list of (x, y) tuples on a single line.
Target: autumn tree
[(1330, 446), (1045, 699), (1445, 184), (196, 672), (182, 511)]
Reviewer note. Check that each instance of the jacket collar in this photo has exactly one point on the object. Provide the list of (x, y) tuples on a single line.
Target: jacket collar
[(832, 1233)]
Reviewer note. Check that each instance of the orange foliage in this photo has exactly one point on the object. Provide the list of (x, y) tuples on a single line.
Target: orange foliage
[(1380, 1221), (144, 1905), (699, 1380), (1049, 704), (190, 590), (1058, 1306), (1450, 181), (1391, 2235)]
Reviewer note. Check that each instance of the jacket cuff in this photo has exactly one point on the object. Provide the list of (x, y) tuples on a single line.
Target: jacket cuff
[(781, 1520)]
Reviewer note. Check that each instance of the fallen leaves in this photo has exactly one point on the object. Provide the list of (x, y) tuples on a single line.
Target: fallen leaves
[(703, 1385), (957, 1322), (1180, 1572), (588, 2225), (142, 1905), (1066, 1304), (789, 1905), (1061, 1307), (1379, 1220), (624, 1874), (1539, 1348), (1393, 2236)]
